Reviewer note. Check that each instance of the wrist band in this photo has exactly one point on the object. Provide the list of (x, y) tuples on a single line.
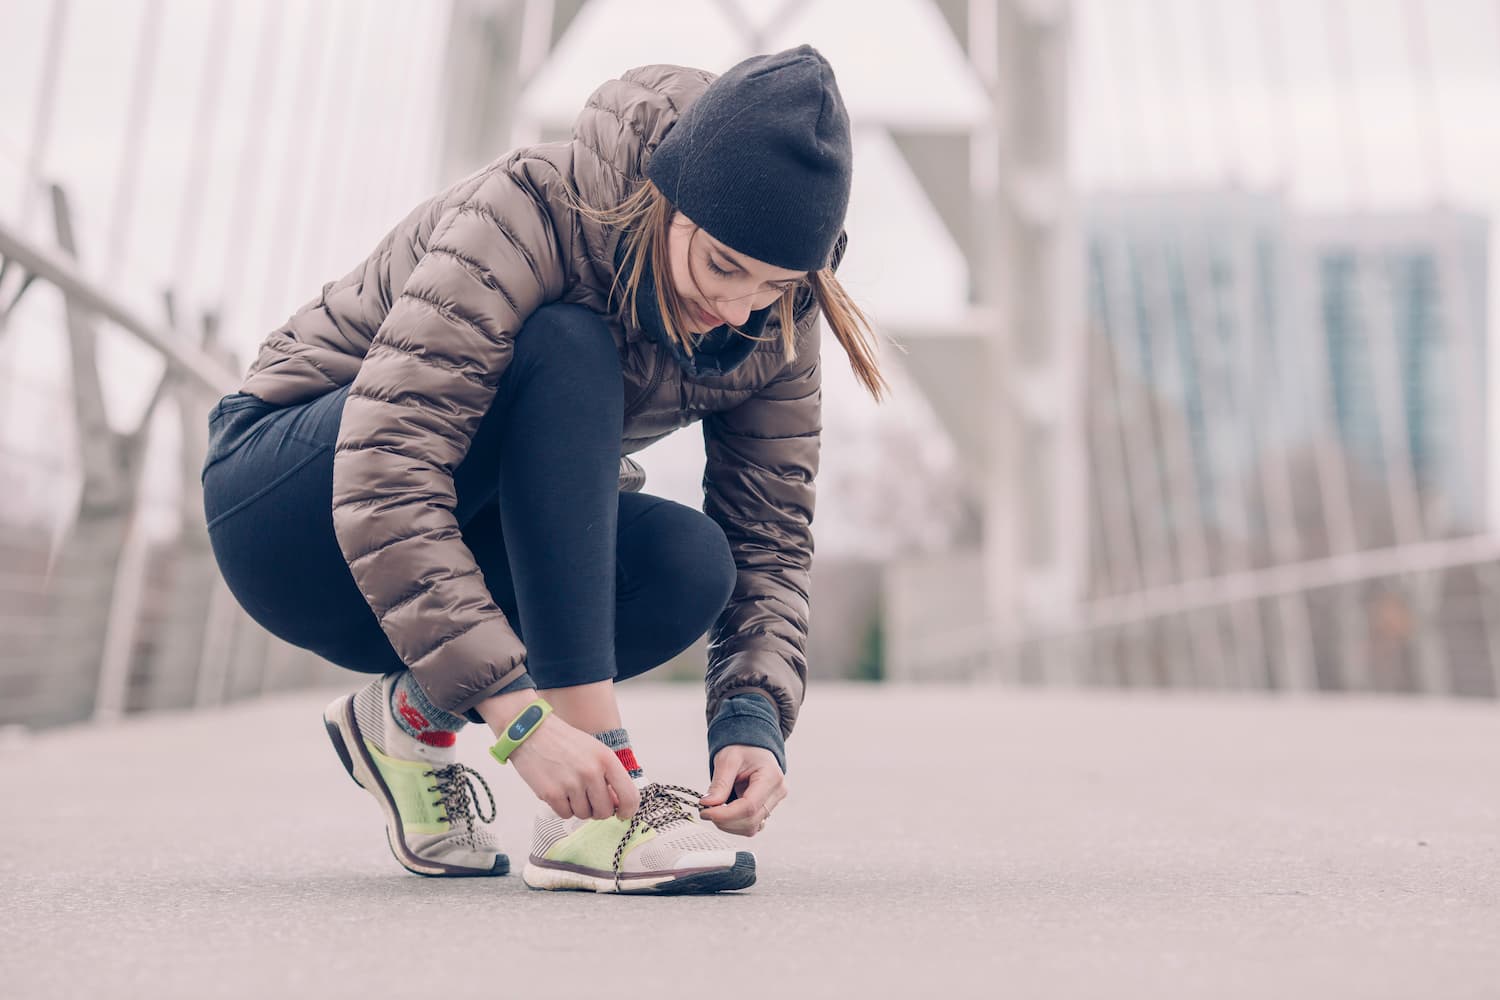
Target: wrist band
[(519, 729)]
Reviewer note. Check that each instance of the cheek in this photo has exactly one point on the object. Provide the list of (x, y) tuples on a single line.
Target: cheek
[(682, 275)]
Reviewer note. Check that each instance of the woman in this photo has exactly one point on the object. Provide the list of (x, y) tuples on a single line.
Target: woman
[(425, 467)]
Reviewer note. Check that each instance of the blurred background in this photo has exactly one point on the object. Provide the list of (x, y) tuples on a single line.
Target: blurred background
[(1186, 304)]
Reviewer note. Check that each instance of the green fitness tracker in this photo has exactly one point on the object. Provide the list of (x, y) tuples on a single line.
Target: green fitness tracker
[(520, 727)]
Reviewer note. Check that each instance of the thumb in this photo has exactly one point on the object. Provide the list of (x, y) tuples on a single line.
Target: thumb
[(726, 769)]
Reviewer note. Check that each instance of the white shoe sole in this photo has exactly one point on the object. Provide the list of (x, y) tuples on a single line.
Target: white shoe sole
[(677, 883), (343, 733)]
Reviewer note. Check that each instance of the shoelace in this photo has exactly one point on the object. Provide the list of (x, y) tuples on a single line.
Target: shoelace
[(460, 799), (661, 806)]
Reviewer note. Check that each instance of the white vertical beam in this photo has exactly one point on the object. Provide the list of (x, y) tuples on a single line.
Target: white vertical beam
[(1465, 356), (1139, 448), (248, 188), (1035, 550), (482, 62), (991, 288), (1265, 410), (1120, 552), (1188, 526), (198, 152), (44, 114), (122, 213), (1221, 387)]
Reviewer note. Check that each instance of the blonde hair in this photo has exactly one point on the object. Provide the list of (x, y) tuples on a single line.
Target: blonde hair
[(646, 219)]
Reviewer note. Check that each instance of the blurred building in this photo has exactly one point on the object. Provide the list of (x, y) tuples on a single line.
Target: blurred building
[(1402, 303), (1260, 373), (1186, 297)]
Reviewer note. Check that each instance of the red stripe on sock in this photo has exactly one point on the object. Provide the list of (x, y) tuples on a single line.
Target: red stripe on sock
[(627, 757), (438, 738)]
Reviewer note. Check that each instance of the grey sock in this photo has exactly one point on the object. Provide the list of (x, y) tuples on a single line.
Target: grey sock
[(618, 740), (412, 708)]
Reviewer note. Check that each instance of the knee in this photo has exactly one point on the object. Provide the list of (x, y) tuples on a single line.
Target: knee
[(695, 559), (569, 338), (681, 575)]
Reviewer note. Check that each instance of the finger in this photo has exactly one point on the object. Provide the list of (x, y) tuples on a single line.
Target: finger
[(627, 796), (747, 826), (737, 813), (747, 809), (726, 770), (578, 801), (601, 798)]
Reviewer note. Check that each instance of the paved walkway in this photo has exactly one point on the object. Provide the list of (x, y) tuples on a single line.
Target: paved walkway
[(938, 843)]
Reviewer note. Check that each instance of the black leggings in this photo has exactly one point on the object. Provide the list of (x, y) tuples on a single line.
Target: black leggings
[(599, 584)]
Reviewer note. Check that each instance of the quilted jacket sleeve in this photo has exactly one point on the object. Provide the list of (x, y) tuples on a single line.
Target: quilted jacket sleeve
[(761, 463), (428, 379)]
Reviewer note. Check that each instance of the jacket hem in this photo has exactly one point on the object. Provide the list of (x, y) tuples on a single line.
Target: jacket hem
[(466, 706)]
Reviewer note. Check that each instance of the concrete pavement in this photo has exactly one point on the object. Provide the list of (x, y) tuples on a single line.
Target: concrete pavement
[(956, 842)]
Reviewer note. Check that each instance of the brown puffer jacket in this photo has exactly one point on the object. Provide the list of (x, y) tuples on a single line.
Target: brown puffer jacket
[(424, 328)]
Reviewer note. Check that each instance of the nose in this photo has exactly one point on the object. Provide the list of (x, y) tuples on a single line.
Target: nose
[(734, 311)]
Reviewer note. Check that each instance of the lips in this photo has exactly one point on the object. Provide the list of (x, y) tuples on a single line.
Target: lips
[(704, 317)]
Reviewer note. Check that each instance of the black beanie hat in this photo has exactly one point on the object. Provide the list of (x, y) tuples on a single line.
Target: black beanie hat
[(762, 159)]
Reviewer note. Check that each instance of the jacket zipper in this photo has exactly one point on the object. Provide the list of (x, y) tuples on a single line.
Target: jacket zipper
[(658, 369)]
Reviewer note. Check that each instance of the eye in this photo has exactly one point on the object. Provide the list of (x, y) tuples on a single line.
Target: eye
[(716, 269)]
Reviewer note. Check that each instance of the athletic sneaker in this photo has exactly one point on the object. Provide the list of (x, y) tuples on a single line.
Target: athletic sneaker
[(432, 817), (665, 848)]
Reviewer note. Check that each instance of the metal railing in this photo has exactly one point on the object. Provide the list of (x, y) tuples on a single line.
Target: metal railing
[(111, 619)]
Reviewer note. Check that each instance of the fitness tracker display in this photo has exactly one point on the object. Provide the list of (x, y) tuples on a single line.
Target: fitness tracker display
[(520, 728)]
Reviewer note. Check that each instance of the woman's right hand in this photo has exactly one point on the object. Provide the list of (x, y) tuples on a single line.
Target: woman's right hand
[(574, 773), (567, 768)]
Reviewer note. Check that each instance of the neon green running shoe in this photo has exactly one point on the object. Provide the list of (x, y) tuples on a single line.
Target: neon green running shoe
[(433, 822), (665, 849)]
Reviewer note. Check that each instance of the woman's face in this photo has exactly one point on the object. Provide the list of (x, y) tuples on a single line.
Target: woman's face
[(716, 284)]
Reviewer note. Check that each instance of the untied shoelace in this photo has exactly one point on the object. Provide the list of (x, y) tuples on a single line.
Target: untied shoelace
[(661, 806)]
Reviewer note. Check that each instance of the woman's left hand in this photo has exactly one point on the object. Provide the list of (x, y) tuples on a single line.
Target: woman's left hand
[(755, 777)]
